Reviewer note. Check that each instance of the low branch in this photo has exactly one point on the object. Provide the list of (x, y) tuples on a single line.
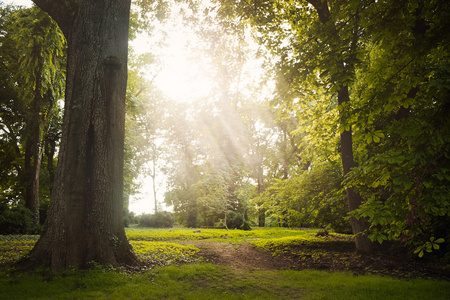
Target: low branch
[(62, 11)]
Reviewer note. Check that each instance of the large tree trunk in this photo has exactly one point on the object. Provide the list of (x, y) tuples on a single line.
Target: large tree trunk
[(84, 223)]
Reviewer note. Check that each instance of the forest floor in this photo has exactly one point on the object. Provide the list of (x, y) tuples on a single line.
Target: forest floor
[(335, 255)]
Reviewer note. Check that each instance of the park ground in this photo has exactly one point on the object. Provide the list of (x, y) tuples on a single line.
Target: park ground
[(235, 264)]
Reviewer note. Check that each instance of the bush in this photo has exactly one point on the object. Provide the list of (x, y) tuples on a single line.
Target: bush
[(16, 220), (333, 212), (129, 218), (162, 219), (235, 220)]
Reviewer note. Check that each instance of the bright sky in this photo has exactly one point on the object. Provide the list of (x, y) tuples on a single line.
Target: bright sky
[(184, 75), (18, 2)]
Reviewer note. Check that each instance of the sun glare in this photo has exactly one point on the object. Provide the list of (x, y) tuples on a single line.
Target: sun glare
[(183, 74), (26, 3)]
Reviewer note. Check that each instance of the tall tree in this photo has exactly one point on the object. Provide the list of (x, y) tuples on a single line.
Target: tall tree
[(315, 40), (32, 48), (85, 215), (342, 50)]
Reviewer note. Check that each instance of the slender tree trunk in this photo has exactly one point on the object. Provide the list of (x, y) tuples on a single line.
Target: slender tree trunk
[(154, 190), (33, 157), (84, 222), (50, 149), (363, 243), (284, 151), (261, 211), (31, 173), (153, 175)]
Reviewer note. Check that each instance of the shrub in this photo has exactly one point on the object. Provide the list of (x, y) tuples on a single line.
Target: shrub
[(235, 220), (16, 220), (162, 219)]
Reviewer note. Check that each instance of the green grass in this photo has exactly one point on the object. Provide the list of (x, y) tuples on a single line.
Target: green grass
[(207, 281), (196, 280), (220, 235)]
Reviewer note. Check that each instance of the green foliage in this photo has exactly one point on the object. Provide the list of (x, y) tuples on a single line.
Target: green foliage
[(429, 246), (32, 51), (393, 57), (404, 177), (161, 219), (185, 206), (311, 199), (235, 220), (16, 220)]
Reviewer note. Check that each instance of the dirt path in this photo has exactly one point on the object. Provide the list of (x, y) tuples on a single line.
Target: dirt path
[(239, 257), (333, 257)]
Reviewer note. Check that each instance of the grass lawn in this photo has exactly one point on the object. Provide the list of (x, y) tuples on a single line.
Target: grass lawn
[(180, 273)]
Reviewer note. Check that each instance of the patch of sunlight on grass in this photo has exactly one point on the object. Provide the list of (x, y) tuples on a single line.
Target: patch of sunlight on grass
[(164, 253), (149, 234)]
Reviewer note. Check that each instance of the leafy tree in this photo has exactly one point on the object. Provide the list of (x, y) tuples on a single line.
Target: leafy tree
[(32, 61), (145, 126), (378, 63), (182, 165), (404, 136)]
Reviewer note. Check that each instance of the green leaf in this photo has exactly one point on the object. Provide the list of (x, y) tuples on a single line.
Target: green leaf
[(403, 180)]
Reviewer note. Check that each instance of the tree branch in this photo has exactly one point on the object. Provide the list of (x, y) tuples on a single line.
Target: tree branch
[(62, 11), (321, 7)]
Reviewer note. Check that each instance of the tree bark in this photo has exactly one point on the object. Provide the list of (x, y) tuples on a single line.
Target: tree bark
[(84, 222), (359, 228), (33, 157)]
